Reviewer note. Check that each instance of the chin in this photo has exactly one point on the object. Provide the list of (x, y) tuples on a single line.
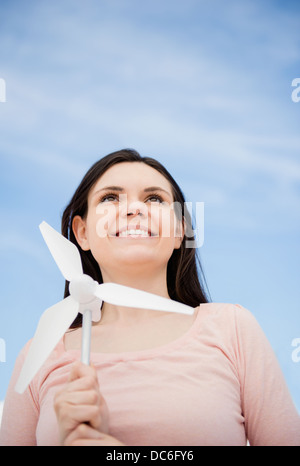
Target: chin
[(138, 260)]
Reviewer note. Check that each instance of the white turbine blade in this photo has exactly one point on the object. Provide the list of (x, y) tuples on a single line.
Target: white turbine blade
[(64, 252), (54, 322), (130, 297)]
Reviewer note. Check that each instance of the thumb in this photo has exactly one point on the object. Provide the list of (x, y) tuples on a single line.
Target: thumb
[(76, 371)]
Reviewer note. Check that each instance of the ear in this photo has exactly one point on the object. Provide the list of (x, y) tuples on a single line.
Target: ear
[(80, 232)]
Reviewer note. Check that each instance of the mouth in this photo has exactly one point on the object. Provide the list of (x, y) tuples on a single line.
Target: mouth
[(135, 231)]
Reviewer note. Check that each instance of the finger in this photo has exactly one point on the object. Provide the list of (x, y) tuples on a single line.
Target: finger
[(82, 432), (82, 397), (80, 391), (85, 435), (71, 415), (83, 383), (79, 370), (106, 441)]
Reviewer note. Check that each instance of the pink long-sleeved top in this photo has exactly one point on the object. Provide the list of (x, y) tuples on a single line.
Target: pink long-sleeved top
[(218, 384)]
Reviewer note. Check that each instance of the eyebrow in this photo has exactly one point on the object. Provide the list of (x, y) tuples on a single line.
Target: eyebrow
[(120, 189)]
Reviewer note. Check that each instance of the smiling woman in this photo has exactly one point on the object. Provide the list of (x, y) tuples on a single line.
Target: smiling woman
[(124, 180), (157, 378)]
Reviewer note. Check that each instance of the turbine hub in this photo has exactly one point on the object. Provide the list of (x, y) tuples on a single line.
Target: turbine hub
[(82, 289)]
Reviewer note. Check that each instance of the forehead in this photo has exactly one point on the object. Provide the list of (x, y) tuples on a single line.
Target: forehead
[(132, 175)]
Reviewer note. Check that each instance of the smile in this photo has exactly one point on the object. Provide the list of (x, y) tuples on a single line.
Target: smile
[(135, 232)]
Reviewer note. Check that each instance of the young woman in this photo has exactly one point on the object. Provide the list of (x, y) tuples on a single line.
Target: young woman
[(156, 378)]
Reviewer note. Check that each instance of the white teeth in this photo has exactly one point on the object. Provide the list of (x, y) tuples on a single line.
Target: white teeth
[(133, 232)]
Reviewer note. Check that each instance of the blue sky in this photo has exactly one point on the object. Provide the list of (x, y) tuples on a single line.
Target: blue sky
[(204, 87)]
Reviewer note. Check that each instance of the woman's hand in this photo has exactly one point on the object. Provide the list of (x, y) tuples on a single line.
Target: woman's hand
[(85, 436), (81, 403)]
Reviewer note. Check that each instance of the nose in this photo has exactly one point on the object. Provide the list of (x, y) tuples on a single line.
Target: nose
[(134, 209), (134, 213)]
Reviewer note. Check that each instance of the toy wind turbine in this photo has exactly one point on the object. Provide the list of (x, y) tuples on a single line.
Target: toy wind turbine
[(86, 297)]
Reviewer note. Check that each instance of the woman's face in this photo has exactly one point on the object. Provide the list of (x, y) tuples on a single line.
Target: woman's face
[(130, 220)]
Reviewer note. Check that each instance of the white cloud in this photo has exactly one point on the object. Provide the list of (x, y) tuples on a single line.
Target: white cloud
[(203, 86), (118, 76)]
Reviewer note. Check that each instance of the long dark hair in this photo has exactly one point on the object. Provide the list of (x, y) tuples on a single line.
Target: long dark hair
[(185, 278)]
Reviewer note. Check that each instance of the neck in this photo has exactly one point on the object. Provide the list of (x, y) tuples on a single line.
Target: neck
[(155, 283)]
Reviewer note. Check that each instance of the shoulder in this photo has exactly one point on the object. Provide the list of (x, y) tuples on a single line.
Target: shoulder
[(226, 313), (229, 322), (55, 360), (234, 330)]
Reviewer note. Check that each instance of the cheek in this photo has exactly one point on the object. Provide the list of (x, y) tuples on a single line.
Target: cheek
[(164, 217), (105, 220), (171, 228)]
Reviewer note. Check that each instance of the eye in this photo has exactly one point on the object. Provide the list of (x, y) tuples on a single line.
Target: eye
[(155, 198), (108, 197)]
